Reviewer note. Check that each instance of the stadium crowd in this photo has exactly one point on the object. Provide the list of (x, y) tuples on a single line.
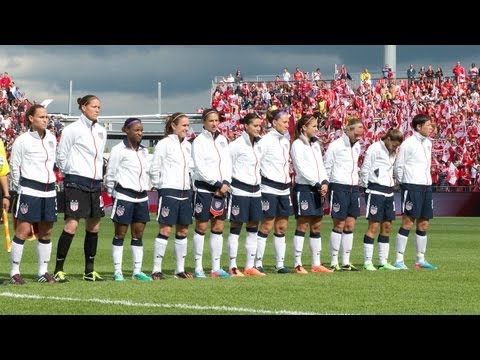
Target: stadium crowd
[(453, 103)]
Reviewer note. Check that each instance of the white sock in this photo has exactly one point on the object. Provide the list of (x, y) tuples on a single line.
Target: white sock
[(420, 247), (16, 256), (315, 250), (180, 253), (400, 245), (137, 255), (43, 252), (279, 246), (335, 240), (297, 243), (158, 254), (198, 242), (383, 250), (367, 253), (250, 249), (261, 244), (233, 250), (347, 244), (117, 255), (216, 247)]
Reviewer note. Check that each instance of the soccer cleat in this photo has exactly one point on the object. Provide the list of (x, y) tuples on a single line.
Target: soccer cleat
[(400, 265), (299, 269), (118, 276), (320, 269), (261, 269), (61, 277), (3, 283), (46, 278), (283, 270), (253, 272), (369, 267), (335, 267), (141, 276), (349, 267), (235, 272), (17, 280), (183, 275), (199, 274), (157, 276), (92, 276), (387, 266), (219, 273), (425, 265)]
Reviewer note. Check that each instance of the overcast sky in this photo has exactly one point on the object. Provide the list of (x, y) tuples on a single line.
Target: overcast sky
[(126, 77)]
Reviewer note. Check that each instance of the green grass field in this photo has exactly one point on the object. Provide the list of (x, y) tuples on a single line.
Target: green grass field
[(453, 289)]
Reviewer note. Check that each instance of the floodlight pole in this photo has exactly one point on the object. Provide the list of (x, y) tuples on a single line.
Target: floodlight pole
[(70, 98), (160, 98)]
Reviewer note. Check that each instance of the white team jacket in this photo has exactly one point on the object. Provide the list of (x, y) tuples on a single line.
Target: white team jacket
[(275, 152), (341, 161), (171, 164), (81, 147), (308, 162), (33, 158), (378, 165), (127, 167), (414, 161), (211, 159)]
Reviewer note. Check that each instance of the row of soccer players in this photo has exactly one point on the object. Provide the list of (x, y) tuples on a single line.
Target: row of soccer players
[(253, 173)]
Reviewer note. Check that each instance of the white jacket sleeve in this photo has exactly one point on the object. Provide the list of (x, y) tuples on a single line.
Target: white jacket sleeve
[(113, 164), (157, 164), (329, 160), (15, 163), (400, 163), (368, 161), (63, 150)]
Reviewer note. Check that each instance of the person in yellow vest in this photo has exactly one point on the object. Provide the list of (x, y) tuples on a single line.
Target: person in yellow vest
[(4, 171), (366, 76)]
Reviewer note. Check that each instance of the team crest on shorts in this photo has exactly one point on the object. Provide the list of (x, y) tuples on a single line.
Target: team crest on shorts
[(165, 211), (304, 205), (409, 205), (120, 210), (336, 207), (23, 208), (235, 210), (74, 205), (373, 209), (198, 208), (265, 205)]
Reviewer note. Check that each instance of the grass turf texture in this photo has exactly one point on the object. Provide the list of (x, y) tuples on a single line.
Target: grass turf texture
[(452, 289)]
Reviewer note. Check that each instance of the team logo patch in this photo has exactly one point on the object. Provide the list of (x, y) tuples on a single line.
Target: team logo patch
[(304, 205), (265, 205), (373, 209), (223, 144), (74, 205), (217, 206), (165, 211), (51, 144), (235, 210), (120, 210), (336, 207), (100, 135), (409, 205), (23, 208), (198, 208)]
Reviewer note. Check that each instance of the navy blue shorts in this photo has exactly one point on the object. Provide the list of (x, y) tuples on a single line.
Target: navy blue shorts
[(307, 202), (380, 207), (127, 212), (344, 201), (245, 208), (35, 209), (276, 205), (417, 201), (172, 211)]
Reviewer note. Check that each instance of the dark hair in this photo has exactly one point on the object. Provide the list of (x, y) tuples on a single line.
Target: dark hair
[(172, 119), (420, 119), (274, 114), (85, 100), (31, 112), (207, 112), (304, 120), (393, 135), (247, 119), (129, 122)]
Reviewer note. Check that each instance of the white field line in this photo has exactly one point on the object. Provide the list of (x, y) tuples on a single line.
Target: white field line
[(155, 305)]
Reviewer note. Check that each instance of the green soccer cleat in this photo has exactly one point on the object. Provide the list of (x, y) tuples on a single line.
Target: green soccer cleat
[(141, 276), (388, 266), (118, 276), (369, 266)]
